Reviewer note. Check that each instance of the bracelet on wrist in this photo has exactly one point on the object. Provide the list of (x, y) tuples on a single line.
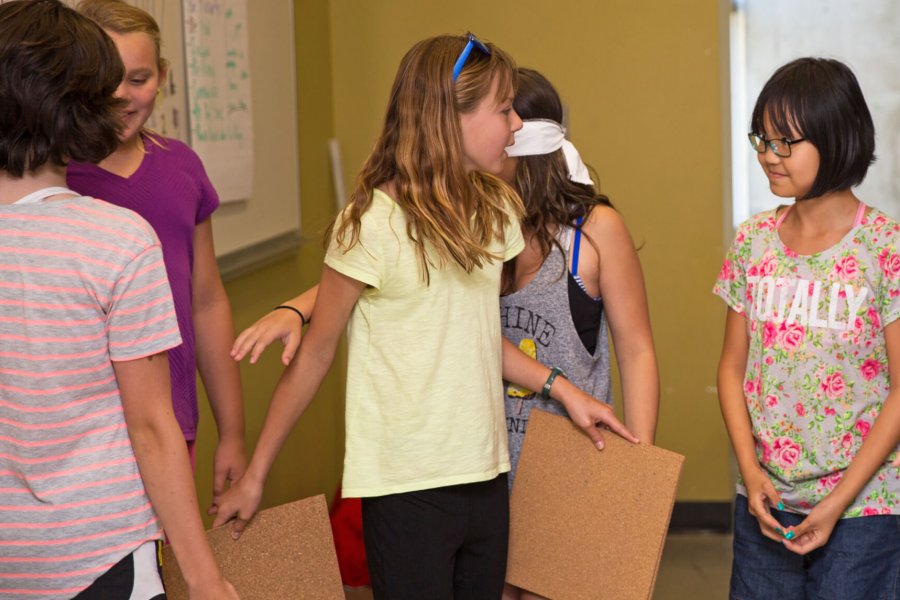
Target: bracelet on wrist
[(554, 373), (303, 319)]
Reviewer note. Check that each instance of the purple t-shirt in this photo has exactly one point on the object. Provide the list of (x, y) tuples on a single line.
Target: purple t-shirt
[(171, 190)]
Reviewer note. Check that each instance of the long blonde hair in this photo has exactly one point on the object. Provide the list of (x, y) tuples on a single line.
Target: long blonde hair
[(452, 214)]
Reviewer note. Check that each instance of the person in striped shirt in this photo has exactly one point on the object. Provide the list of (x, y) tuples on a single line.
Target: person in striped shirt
[(92, 462)]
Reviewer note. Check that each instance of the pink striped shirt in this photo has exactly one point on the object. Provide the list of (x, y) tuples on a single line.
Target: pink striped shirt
[(82, 284)]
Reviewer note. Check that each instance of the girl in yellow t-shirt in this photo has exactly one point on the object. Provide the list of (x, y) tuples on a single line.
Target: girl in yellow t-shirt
[(414, 266)]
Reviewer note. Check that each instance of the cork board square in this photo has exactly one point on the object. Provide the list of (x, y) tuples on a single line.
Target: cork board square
[(286, 552), (588, 524)]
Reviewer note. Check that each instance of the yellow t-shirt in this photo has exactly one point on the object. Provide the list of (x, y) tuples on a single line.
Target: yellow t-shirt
[(424, 376)]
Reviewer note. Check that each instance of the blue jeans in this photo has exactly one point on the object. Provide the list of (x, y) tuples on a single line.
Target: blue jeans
[(861, 560)]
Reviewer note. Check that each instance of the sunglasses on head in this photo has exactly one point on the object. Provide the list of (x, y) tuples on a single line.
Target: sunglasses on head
[(473, 42)]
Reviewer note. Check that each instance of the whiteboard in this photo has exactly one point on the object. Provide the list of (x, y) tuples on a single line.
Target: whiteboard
[(219, 92)]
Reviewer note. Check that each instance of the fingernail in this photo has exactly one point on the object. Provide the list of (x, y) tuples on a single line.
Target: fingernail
[(599, 445), (780, 506), (778, 530), (235, 536), (789, 535)]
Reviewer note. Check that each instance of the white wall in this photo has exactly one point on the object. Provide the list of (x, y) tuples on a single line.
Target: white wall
[(865, 36)]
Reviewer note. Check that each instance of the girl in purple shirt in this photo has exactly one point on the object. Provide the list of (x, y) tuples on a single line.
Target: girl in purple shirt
[(164, 181)]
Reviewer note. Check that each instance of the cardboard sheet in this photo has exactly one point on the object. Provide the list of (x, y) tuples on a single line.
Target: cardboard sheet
[(587, 523), (286, 552)]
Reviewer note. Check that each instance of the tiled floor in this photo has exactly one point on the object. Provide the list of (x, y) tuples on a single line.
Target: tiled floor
[(695, 566)]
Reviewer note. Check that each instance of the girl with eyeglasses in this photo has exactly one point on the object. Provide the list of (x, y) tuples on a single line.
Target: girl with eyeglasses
[(414, 266), (812, 345)]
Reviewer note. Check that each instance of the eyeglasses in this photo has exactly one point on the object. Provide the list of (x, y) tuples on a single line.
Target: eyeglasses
[(473, 42), (781, 146)]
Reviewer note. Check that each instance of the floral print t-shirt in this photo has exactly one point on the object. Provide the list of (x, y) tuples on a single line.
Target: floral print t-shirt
[(817, 366)]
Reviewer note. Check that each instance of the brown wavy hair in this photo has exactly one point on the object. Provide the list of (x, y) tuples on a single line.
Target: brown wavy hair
[(452, 215), (58, 76), (551, 199)]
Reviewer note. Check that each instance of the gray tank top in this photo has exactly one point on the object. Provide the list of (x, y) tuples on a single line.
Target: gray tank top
[(538, 320)]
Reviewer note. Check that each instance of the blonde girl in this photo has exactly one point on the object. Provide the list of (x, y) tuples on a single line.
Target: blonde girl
[(414, 267)]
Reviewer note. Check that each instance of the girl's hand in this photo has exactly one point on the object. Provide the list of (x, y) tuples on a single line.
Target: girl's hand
[(588, 412), (278, 324), (761, 498), (815, 529), (229, 465), (239, 503)]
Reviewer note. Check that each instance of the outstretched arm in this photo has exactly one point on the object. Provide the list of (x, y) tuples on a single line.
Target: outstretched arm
[(585, 411), (163, 462), (214, 331), (621, 283), (294, 392), (282, 324)]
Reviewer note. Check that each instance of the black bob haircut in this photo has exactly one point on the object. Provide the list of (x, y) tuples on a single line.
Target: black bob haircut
[(820, 100), (58, 75)]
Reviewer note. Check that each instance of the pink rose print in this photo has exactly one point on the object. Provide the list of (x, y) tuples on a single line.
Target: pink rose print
[(870, 369), (787, 452), (830, 412), (847, 441), (847, 268), (870, 512), (833, 385), (885, 510), (889, 262), (771, 400), (801, 410), (879, 220), (874, 318), (863, 428), (829, 482), (770, 332), (791, 336), (766, 451), (767, 266), (726, 273), (751, 387)]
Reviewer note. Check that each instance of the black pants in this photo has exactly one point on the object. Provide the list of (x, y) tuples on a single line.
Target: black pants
[(442, 544)]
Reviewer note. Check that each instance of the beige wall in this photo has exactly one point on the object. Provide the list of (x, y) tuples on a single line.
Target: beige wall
[(644, 84), (311, 460)]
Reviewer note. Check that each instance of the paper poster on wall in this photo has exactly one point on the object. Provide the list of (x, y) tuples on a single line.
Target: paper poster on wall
[(218, 80), (169, 118)]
